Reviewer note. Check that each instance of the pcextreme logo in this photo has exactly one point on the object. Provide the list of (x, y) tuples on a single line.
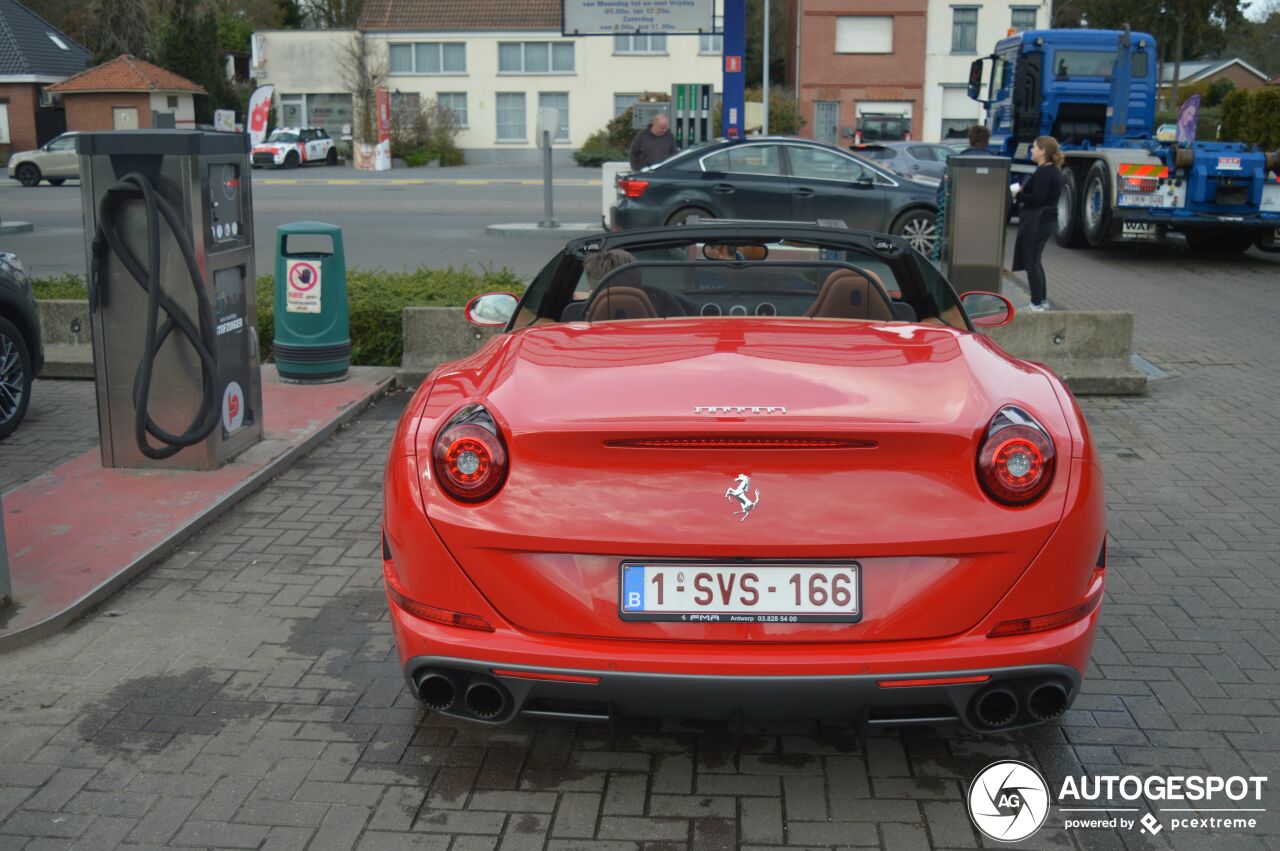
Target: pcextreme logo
[(1009, 801)]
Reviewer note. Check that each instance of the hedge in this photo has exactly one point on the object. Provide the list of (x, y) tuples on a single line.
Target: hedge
[(376, 297), (1253, 116)]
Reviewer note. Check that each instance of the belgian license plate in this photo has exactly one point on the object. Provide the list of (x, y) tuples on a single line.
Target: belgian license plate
[(1144, 200), (741, 593)]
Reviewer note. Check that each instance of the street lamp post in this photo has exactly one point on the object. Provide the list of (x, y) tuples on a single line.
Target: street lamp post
[(765, 122)]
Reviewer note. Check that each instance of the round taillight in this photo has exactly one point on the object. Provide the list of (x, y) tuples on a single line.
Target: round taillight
[(1016, 460), (469, 457)]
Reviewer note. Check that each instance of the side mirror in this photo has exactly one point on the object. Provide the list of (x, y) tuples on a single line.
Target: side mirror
[(987, 310), (864, 182), (975, 79), (491, 310)]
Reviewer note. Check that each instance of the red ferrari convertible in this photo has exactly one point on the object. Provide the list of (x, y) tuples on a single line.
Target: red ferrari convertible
[(726, 470)]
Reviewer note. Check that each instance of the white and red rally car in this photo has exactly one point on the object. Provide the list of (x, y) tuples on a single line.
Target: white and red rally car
[(290, 147)]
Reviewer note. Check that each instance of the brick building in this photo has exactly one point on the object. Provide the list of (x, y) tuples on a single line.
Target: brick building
[(848, 59), (33, 54), (1240, 73), (128, 94)]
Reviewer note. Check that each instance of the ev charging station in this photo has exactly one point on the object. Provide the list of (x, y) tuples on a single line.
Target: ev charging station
[(172, 296)]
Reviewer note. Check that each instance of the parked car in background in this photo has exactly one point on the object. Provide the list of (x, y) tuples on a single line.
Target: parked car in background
[(778, 179), (290, 147), (55, 161), (21, 349), (924, 158), (882, 127)]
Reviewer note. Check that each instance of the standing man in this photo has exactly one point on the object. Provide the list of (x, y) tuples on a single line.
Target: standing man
[(653, 144)]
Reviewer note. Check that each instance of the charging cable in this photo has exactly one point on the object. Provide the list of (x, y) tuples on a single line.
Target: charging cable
[(136, 186)]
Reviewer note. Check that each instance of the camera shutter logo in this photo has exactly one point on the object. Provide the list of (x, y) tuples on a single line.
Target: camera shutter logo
[(1008, 801)]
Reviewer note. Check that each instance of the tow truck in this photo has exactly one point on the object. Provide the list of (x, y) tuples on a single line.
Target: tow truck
[(1095, 92)]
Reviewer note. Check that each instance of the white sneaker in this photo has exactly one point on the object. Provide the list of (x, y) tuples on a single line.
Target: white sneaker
[(1037, 308)]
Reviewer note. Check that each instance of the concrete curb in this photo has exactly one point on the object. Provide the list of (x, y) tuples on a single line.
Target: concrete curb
[(16, 227), (434, 335), (1091, 351), (530, 230), (177, 536)]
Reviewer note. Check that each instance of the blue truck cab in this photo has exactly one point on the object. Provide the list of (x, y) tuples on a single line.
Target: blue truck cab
[(1095, 92)]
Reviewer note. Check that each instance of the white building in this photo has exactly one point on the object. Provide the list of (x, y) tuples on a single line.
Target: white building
[(493, 63), (959, 32)]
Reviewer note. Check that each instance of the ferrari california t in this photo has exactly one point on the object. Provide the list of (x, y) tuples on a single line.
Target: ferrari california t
[(732, 470)]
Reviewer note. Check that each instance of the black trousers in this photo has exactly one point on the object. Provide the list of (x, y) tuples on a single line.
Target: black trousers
[(1035, 226)]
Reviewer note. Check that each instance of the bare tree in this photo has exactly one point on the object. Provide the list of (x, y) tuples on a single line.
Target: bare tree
[(333, 14), (363, 73)]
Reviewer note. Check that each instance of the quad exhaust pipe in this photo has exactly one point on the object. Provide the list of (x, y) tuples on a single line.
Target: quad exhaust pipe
[(485, 699), (1047, 701), (447, 691), (996, 707)]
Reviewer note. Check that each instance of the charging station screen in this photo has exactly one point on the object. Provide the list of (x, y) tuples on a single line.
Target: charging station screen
[(225, 215)]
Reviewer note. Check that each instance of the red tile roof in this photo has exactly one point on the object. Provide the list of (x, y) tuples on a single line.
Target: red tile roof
[(453, 15), (126, 74)]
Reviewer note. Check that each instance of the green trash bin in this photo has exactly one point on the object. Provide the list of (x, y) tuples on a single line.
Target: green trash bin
[(312, 322)]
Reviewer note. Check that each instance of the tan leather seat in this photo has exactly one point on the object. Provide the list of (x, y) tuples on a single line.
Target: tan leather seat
[(621, 303), (847, 294)]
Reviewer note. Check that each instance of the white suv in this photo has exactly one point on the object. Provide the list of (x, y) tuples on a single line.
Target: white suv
[(55, 162)]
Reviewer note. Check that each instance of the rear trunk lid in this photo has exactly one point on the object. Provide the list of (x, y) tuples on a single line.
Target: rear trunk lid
[(900, 498)]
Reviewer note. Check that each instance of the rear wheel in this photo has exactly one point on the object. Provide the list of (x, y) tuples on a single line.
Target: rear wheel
[(57, 181), (920, 228), (331, 158), (1095, 207), (28, 174), (15, 377), (682, 215), (1067, 232), (1219, 241)]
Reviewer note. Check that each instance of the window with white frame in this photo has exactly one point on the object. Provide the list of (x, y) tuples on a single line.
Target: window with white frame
[(864, 34), (1022, 18), (560, 102), (639, 44), (621, 103), (712, 42), (428, 57), (511, 117), (964, 29), (405, 107), (535, 57), (455, 102)]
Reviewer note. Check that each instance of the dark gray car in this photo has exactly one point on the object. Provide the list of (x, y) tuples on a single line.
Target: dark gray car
[(923, 158), (21, 349), (778, 179)]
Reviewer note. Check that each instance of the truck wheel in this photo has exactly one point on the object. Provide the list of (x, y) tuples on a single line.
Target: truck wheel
[(15, 377), (28, 174), (1067, 233), (1095, 205), (1219, 241)]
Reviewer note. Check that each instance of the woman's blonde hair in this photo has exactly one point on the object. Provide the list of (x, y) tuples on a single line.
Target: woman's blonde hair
[(1053, 152)]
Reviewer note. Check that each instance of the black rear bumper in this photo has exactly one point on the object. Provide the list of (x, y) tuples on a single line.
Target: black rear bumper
[(853, 697)]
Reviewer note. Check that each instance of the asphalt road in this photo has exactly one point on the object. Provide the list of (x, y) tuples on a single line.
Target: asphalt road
[(398, 219)]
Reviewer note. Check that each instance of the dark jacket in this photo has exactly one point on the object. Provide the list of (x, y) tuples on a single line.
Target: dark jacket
[(1038, 215), (647, 148)]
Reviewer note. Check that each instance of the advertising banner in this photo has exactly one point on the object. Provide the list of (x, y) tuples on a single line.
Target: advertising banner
[(1188, 115), (259, 113)]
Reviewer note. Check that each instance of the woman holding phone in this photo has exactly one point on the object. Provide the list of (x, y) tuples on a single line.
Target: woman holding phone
[(1038, 216)]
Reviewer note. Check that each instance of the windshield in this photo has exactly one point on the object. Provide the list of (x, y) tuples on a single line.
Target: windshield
[(282, 136)]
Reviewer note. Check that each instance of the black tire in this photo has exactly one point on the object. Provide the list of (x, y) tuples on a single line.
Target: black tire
[(1095, 205), (918, 227), (1067, 233), (28, 174), (1219, 241), (56, 181), (292, 160), (15, 377), (682, 215), (331, 158)]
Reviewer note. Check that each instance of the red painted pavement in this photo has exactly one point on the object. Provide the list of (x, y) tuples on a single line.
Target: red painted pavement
[(80, 525)]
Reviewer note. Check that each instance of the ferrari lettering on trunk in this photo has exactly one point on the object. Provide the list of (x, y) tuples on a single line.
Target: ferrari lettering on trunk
[(739, 409)]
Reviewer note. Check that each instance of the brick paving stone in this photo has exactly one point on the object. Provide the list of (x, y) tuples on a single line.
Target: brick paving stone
[(245, 691)]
